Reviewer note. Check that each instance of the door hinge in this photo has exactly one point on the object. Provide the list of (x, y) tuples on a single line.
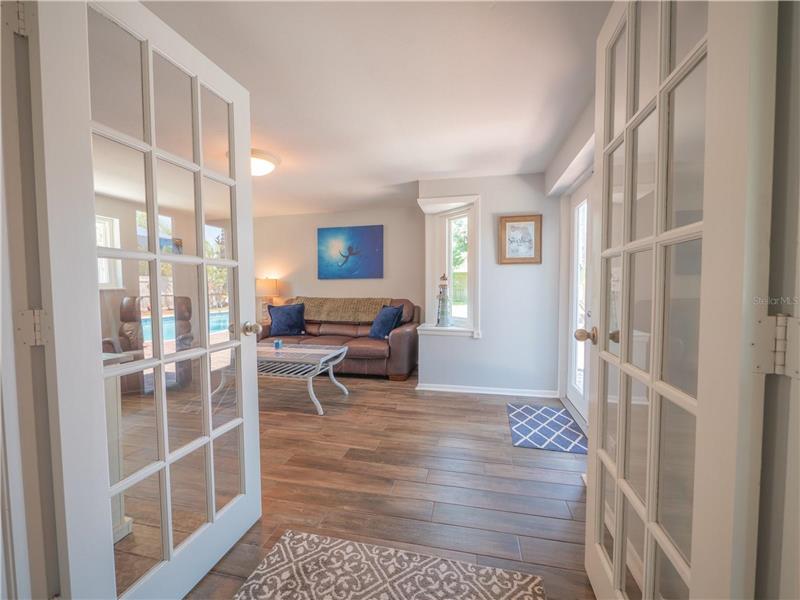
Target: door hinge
[(18, 24), (30, 327), (776, 348)]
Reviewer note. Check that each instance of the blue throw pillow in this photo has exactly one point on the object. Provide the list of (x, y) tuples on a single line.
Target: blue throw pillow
[(388, 318), (287, 320)]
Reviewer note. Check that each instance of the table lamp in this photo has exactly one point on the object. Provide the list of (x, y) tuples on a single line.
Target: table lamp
[(267, 288)]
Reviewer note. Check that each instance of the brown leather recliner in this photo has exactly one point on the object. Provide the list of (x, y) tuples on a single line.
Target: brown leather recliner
[(130, 338), (184, 339), (395, 358)]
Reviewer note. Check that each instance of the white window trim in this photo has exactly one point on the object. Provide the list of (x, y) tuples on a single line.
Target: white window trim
[(111, 224), (437, 212)]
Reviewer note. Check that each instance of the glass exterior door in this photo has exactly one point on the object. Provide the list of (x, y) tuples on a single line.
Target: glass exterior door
[(654, 438), (577, 383), (168, 392)]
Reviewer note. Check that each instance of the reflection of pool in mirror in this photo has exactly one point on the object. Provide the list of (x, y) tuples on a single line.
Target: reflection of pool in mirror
[(218, 322)]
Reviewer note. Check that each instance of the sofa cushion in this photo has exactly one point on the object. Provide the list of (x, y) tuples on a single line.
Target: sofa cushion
[(345, 329), (366, 347), (312, 328), (387, 319), (287, 339), (327, 340), (408, 309), (287, 320)]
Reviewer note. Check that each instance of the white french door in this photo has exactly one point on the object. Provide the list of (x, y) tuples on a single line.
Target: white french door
[(142, 164), (684, 127), (579, 315)]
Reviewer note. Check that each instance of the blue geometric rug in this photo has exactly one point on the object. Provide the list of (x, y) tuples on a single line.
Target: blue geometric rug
[(544, 427)]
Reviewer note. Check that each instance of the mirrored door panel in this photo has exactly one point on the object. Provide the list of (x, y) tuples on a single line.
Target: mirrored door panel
[(652, 218), (165, 225)]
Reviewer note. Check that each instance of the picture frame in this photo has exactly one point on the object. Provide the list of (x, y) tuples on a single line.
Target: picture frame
[(354, 252), (519, 240)]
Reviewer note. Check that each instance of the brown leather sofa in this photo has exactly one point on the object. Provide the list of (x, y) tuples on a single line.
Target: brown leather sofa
[(394, 358)]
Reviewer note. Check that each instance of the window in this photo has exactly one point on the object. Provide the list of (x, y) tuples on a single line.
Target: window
[(458, 266), (109, 271), (165, 231), (452, 248)]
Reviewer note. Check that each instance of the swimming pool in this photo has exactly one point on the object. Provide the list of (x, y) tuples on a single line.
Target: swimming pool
[(218, 322)]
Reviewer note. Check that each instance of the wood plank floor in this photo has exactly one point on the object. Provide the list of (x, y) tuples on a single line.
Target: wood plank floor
[(424, 471)]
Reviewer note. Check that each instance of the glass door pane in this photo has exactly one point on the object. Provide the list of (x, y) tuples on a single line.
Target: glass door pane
[(578, 294), (633, 553), (676, 475), (136, 522), (115, 64), (216, 132), (686, 155), (188, 486), (681, 315), (616, 195), (613, 286), (688, 25), (120, 201), (172, 92), (177, 219), (610, 409), (645, 154), (619, 86), (217, 212), (639, 315), (646, 52), (638, 415)]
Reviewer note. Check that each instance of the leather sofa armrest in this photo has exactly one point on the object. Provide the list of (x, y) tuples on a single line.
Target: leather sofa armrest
[(185, 341), (264, 333), (403, 343), (112, 345)]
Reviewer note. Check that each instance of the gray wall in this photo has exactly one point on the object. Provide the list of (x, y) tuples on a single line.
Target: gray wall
[(778, 569), (519, 303), (286, 248)]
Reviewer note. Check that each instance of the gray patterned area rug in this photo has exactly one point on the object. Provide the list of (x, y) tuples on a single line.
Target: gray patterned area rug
[(304, 566)]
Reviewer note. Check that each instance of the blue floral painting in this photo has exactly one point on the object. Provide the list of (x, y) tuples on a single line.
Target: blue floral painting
[(350, 252)]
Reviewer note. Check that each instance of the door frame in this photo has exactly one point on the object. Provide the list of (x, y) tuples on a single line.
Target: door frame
[(735, 232), (583, 184), (58, 37)]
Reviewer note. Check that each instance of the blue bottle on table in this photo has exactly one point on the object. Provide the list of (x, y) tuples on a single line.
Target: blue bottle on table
[(278, 344)]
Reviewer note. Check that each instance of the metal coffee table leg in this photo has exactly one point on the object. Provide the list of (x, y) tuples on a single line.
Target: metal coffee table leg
[(313, 396), (338, 384)]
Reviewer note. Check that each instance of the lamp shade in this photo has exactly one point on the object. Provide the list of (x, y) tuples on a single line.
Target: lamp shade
[(266, 287)]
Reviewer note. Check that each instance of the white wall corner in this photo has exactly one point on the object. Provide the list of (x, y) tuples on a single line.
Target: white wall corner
[(574, 156)]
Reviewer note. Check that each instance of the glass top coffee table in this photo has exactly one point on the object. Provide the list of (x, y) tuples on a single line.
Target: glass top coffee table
[(301, 361)]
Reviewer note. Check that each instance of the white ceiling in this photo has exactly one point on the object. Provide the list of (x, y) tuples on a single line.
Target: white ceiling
[(361, 100)]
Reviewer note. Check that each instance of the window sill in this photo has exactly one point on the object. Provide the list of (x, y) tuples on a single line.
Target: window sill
[(431, 329)]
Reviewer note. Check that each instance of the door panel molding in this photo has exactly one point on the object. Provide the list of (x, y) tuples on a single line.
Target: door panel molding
[(738, 53), (63, 128)]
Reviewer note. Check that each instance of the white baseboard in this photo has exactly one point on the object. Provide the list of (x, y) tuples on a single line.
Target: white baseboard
[(471, 389)]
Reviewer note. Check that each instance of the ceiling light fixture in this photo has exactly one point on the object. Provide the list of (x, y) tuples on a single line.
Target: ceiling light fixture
[(262, 163)]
